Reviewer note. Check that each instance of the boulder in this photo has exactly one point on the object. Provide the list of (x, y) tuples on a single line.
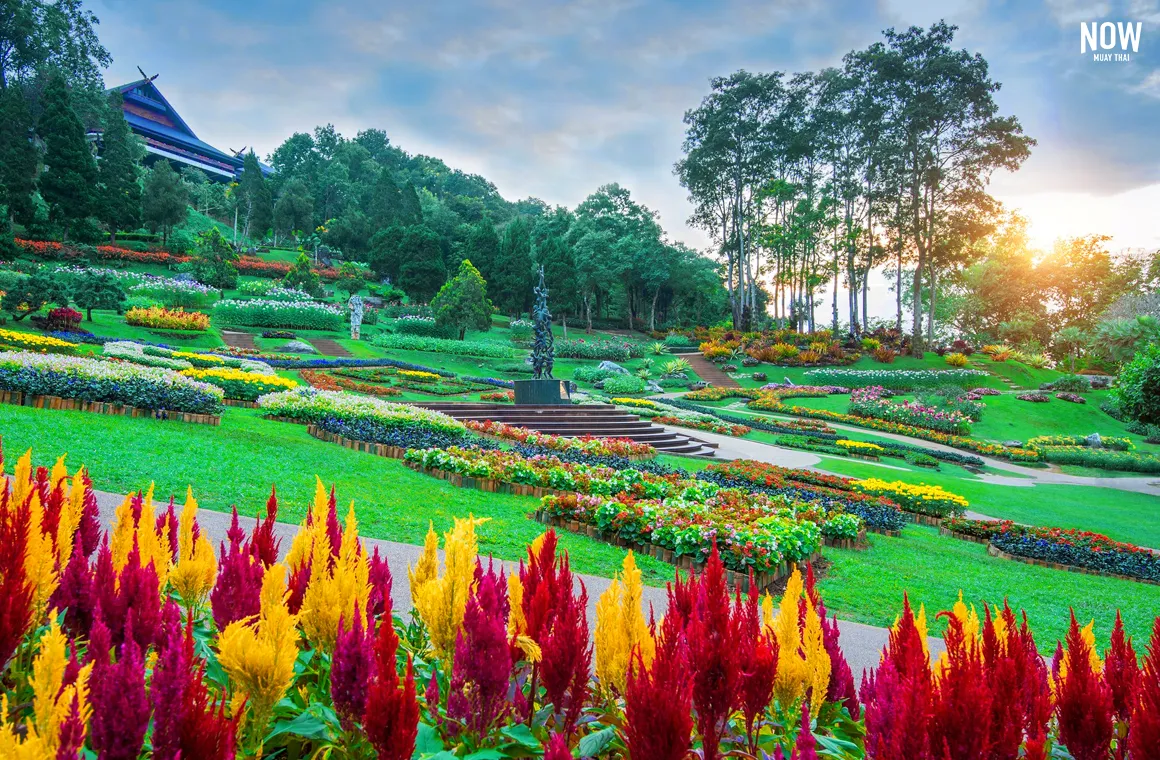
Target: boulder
[(654, 387), (699, 386), (1094, 441), (612, 367)]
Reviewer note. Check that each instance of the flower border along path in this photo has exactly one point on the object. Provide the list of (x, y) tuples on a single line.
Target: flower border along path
[(57, 403)]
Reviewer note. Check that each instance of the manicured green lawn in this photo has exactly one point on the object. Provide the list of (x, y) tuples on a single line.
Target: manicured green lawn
[(237, 463), (868, 586)]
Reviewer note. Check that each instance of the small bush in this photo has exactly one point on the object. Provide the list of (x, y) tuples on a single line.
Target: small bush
[(1072, 384), (677, 340), (956, 360), (591, 374), (871, 344), (885, 355), (624, 384), (425, 327), (1137, 393), (166, 319)]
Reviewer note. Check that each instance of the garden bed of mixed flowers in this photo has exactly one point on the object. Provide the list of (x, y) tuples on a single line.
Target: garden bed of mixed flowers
[(874, 402), (308, 405), (709, 426), (920, 498), (159, 356), (240, 385), (484, 348), (160, 318), (616, 447), (333, 381), (831, 493), (1112, 453), (502, 397), (1070, 548), (897, 379), (146, 642), (663, 413), (13, 339)]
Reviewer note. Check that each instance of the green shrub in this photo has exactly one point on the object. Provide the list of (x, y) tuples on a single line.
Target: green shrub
[(172, 293), (139, 302), (581, 348), (423, 326), (292, 315), (591, 374), (1137, 393), (1072, 384), (624, 384), (442, 345), (521, 330), (677, 340)]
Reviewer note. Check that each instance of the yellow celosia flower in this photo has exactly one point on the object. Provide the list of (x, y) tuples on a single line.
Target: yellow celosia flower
[(793, 671), (39, 737), (517, 623), (22, 479), (196, 570), (621, 628), (428, 565), (152, 545), (259, 655), (442, 601), (337, 589), (1087, 633), (70, 518), (816, 657)]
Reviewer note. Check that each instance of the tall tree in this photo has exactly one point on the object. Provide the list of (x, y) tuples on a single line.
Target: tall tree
[(462, 302), (482, 246), (422, 272), (70, 174), (18, 158), (119, 199), (512, 273), (257, 205), (164, 203), (56, 34), (96, 289), (555, 255), (294, 211)]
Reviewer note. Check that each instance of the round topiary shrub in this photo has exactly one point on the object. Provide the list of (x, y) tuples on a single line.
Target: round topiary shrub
[(1137, 393)]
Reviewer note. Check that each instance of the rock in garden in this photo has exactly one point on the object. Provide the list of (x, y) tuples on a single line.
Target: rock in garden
[(298, 347), (1094, 441), (654, 387), (613, 367)]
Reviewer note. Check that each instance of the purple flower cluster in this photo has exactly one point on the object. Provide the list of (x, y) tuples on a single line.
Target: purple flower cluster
[(872, 402)]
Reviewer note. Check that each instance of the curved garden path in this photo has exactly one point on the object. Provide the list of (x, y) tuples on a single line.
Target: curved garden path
[(862, 644)]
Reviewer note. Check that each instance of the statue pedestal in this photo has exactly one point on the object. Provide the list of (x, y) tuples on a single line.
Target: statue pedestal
[(542, 392)]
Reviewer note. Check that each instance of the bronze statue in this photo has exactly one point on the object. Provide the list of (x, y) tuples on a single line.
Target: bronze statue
[(543, 354)]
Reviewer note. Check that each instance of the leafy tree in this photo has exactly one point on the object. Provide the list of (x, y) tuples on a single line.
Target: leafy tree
[(386, 203), (18, 157), (215, 260), (410, 209), (97, 290), (294, 211), (1137, 391), (512, 272), (119, 197), (30, 294), (303, 276), (422, 271), (1081, 279), (164, 202), (350, 278), (37, 35), (462, 302), (560, 276), (385, 256), (481, 245), (70, 174)]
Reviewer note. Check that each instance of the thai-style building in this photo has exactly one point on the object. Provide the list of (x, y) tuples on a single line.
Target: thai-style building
[(168, 137)]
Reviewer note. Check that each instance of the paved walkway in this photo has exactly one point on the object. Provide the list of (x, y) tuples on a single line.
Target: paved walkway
[(861, 644), (709, 372)]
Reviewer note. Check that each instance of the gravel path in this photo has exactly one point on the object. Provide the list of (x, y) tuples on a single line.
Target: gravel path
[(861, 644)]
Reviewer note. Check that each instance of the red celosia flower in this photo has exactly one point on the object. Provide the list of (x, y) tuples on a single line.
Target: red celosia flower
[(350, 670), (167, 521), (1121, 671), (567, 655), (1144, 733), (236, 593), (391, 721), (557, 748), (482, 667), (15, 590), (759, 667), (71, 734), (379, 601), (89, 528), (263, 543), (120, 705), (1083, 702), (961, 701), (50, 520), (297, 583), (897, 697), (805, 748), (130, 600), (658, 701), (713, 654), (74, 594)]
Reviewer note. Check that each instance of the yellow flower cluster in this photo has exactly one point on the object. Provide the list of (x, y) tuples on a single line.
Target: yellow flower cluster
[(643, 403), (167, 319), (35, 342), (52, 702), (194, 574), (198, 356), (414, 374), (911, 492), (862, 447), (259, 655), (621, 628), (802, 662), (338, 588), (233, 374), (441, 600)]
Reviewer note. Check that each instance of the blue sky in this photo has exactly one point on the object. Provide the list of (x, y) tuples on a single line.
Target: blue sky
[(552, 99)]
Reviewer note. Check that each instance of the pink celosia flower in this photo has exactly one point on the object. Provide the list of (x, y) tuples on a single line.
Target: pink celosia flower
[(482, 667), (350, 670), (120, 705)]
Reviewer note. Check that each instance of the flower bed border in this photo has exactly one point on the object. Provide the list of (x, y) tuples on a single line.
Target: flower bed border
[(509, 442), (739, 581), (240, 402), (59, 403), (1000, 554)]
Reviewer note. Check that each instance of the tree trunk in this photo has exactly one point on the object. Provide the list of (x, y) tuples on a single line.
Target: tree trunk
[(898, 292), (916, 292), (89, 311), (930, 313), (564, 321), (652, 316)]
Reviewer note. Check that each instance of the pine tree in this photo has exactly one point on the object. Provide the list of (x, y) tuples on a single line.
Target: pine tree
[(257, 202), (386, 201), (410, 210), (482, 247), (165, 201), (70, 174), (512, 272), (119, 201), (17, 157), (422, 272), (462, 302)]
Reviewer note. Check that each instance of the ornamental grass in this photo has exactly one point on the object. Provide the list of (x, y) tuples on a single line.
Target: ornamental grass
[(139, 643)]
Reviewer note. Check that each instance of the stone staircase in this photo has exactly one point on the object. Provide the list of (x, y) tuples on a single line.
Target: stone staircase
[(708, 371), (328, 347), (598, 420)]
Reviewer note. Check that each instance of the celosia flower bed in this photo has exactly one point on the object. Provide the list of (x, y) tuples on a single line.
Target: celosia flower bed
[(720, 428), (750, 533), (829, 492), (616, 447), (292, 315), (1076, 548), (243, 386), (310, 405), (94, 380), (149, 644), (159, 318), (873, 402), (896, 379), (503, 397), (52, 250), (35, 342), (921, 498)]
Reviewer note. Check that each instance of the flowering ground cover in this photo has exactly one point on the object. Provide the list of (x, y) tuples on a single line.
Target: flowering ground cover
[(619, 447), (305, 658), (291, 315), (310, 405), (896, 379), (874, 402), (33, 342), (920, 498), (240, 385)]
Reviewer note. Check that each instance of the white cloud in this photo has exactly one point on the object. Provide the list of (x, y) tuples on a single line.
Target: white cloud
[(1129, 217)]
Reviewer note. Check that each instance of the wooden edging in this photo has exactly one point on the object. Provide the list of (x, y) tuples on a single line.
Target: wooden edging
[(740, 581), (57, 403), (994, 551), (240, 403)]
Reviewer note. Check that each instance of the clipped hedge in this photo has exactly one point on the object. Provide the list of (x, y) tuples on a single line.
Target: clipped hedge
[(445, 346), (289, 315)]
